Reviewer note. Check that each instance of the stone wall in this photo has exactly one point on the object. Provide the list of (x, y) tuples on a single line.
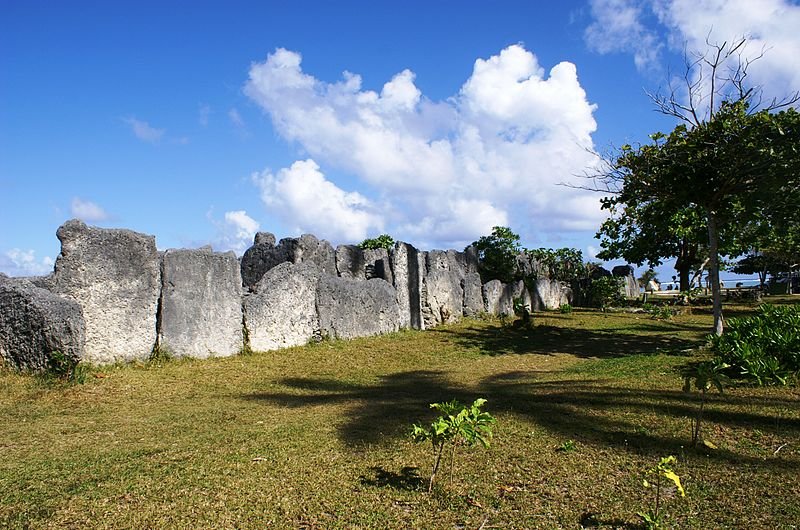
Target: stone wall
[(113, 297)]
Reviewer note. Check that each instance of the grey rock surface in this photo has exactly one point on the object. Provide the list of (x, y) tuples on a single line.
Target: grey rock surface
[(264, 255), (405, 261), (378, 265), (496, 298), (201, 304), (473, 295), (444, 297), (630, 287), (34, 323), (499, 297), (354, 263), (551, 294), (115, 276), (281, 312), (351, 308), (350, 263), (264, 238)]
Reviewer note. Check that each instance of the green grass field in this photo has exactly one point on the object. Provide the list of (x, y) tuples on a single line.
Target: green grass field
[(317, 436)]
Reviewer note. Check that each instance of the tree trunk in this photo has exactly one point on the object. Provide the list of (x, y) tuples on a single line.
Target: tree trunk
[(713, 251), (683, 273)]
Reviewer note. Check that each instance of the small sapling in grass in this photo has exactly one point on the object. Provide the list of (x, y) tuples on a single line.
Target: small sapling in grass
[(663, 475), (705, 376), (457, 425)]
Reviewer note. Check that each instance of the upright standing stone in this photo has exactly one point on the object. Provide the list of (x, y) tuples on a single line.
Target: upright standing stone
[(350, 308), (444, 298), (264, 255), (115, 276), (630, 287), (350, 262), (407, 282), (281, 312), (551, 294), (201, 304), (473, 297), (496, 298), (35, 323)]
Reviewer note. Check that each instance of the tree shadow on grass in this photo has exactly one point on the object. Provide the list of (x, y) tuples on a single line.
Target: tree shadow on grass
[(407, 479), (593, 412), (551, 340)]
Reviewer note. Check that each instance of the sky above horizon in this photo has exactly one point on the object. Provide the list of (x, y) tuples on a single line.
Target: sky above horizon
[(430, 121)]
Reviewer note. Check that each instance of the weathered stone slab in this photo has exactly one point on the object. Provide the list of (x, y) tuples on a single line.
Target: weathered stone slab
[(354, 263), (444, 298), (496, 298), (351, 308), (115, 276), (34, 323), (350, 262), (201, 304), (630, 287), (264, 255), (551, 294), (405, 261), (281, 312), (499, 297), (377, 265), (473, 296)]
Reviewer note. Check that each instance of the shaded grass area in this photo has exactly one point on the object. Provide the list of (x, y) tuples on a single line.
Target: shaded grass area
[(317, 437)]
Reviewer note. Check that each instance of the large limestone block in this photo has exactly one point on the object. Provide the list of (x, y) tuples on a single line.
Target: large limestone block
[(350, 262), (377, 265), (630, 287), (354, 263), (349, 308), (499, 297), (551, 294), (115, 276), (473, 296), (444, 298), (201, 304), (264, 255), (460, 263), (34, 323), (281, 312), (496, 298), (405, 261)]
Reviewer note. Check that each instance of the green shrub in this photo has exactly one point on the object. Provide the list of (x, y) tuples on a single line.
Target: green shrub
[(565, 309), (382, 241), (764, 348), (605, 292)]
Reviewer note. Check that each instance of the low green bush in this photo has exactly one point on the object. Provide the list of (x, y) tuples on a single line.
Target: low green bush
[(764, 348)]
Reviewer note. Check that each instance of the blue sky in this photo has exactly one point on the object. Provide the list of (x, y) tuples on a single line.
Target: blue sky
[(433, 121)]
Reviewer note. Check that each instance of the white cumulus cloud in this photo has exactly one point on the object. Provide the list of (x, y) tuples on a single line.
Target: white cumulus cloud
[(87, 211), (493, 153), (235, 232), (645, 28), (305, 199), (18, 262)]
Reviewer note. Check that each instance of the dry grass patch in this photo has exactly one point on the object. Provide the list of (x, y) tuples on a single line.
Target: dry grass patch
[(317, 437)]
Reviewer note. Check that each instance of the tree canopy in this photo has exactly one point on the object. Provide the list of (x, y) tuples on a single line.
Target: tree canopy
[(721, 181)]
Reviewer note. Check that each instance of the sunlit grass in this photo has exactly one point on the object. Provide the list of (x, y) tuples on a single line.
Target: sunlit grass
[(316, 436)]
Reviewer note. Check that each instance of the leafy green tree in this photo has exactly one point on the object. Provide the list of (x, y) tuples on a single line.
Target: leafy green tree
[(563, 264), (382, 241), (729, 168), (498, 254)]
